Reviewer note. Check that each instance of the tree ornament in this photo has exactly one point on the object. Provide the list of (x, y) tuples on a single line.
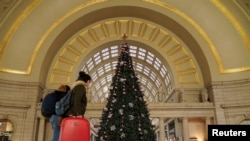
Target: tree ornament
[(131, 105), (112, 128), (122, 135), (131, 117), (110, 115), (111, 87), (122, 79), (121, 63), (121, 111)]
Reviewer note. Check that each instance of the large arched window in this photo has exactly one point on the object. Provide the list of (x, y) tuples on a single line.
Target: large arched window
[(152, 72)]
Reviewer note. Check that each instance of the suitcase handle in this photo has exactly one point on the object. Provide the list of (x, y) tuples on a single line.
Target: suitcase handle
[(78, 116)]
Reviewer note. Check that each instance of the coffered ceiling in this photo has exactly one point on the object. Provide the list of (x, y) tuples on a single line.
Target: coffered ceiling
[(174, 43)]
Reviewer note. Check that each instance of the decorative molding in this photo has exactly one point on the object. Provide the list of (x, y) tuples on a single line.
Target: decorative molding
[(5, 8), (237, 25), (244, 6), (227, 106), (11, 32), (234, 83), (14, 106)]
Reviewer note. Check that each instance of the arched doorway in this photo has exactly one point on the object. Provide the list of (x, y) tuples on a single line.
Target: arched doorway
[(6, 130)]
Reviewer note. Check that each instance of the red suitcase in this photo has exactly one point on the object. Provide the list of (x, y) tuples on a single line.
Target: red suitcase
[(75, 129)]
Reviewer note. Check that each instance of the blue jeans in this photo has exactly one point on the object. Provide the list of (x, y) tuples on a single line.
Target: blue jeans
[(54, 121)]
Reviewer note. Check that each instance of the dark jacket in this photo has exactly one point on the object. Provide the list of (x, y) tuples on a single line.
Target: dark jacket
[(78, 99), (48, 104)]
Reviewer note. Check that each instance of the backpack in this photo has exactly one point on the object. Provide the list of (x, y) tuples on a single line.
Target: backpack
[(48, 105), (62, 106)]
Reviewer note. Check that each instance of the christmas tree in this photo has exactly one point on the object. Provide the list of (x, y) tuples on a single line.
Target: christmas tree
[(125, 117)]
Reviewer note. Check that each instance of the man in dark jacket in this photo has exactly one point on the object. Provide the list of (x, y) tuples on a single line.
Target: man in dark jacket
[(55, 119)]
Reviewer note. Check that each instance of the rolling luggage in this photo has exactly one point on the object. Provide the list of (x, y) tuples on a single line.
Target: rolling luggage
[(75, 129)]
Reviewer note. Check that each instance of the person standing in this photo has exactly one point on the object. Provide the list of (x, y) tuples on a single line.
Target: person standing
[(79, 95), (55, 119)]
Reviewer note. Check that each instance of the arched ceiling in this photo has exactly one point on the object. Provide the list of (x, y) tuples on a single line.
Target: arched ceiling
[(187, 37), (81, 46)]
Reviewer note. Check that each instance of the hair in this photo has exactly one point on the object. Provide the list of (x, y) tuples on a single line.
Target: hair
[(64, 88), (83, 76)]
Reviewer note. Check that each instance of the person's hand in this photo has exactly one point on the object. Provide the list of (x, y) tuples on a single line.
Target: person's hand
[(79, 116)]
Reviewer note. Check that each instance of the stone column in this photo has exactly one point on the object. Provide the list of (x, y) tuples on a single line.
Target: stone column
[(208, 121), (162, 130), (41, 129), (185, 129)]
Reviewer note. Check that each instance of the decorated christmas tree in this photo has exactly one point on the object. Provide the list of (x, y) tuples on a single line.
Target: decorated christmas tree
[(125, 117)]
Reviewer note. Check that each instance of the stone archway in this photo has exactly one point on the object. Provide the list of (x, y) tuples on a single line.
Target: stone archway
[(169, 46), (6, 130)]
